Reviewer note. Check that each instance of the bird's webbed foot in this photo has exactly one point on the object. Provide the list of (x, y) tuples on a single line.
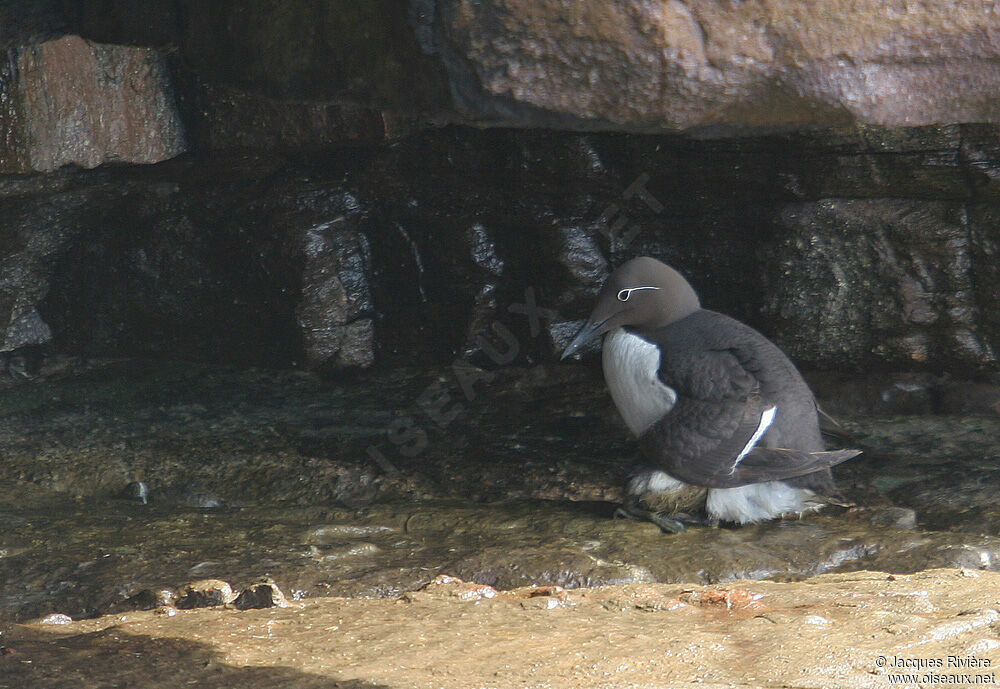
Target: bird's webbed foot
[(676, 523)]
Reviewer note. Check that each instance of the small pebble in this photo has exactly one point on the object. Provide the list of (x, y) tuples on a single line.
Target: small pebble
[(474, 592), (264, 594), (817, 620), (541, 603), (444, 579), (56, 618), (205, 593)]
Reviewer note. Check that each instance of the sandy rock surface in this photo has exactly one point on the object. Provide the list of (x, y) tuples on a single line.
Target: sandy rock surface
[(836, 630)]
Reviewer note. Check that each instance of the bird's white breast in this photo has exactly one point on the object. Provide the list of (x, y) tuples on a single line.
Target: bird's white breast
[(630, 367)]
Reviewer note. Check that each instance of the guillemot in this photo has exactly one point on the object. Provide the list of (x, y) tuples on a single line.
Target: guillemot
[(725, 422)]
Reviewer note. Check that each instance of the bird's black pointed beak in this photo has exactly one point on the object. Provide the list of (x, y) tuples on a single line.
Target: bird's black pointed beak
[(587, 333)]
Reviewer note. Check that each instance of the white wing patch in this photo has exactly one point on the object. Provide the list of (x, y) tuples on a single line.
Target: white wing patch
[(766, 419)]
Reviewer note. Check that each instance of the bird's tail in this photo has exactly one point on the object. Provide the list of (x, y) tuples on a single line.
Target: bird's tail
[(792, 463), (778, 464), (832, 430)]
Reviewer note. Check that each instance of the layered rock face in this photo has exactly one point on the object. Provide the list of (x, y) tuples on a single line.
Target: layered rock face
[(411, 254)]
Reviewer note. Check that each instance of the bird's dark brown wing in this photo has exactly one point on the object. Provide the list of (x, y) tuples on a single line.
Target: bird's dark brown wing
[(714, 444), (718, 415), (710, 437)]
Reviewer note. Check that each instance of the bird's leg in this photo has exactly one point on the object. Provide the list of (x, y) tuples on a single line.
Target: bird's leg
[(696, 520), (632, 509)]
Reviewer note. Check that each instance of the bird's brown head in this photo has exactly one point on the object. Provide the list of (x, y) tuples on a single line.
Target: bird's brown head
[(643, 293)]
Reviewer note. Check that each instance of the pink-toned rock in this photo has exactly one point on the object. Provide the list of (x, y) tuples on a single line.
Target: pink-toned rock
[(73, 101), (678, 65)]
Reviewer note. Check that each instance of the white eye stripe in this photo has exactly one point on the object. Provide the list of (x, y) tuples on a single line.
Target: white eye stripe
[(624, 294)]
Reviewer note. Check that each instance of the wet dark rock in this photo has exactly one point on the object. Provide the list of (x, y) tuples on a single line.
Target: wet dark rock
[(149, 599), (970, 397), (31, 238), (336, 553), (30, 21), (546, 492), (892, 394), (126, 286), (355, 488), (503, 546), (327, 534), (335, 308), (985, 257), (202, 499), (880, 394), (418, 253), (979, 148), (895, 517), (580, 255), (894, 280), (484, 250), (264, 594), (225, 117), (563, 332), (205, 593), (971, 557), (25, 331), (24, 362), (137, 491), (943, 467)]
